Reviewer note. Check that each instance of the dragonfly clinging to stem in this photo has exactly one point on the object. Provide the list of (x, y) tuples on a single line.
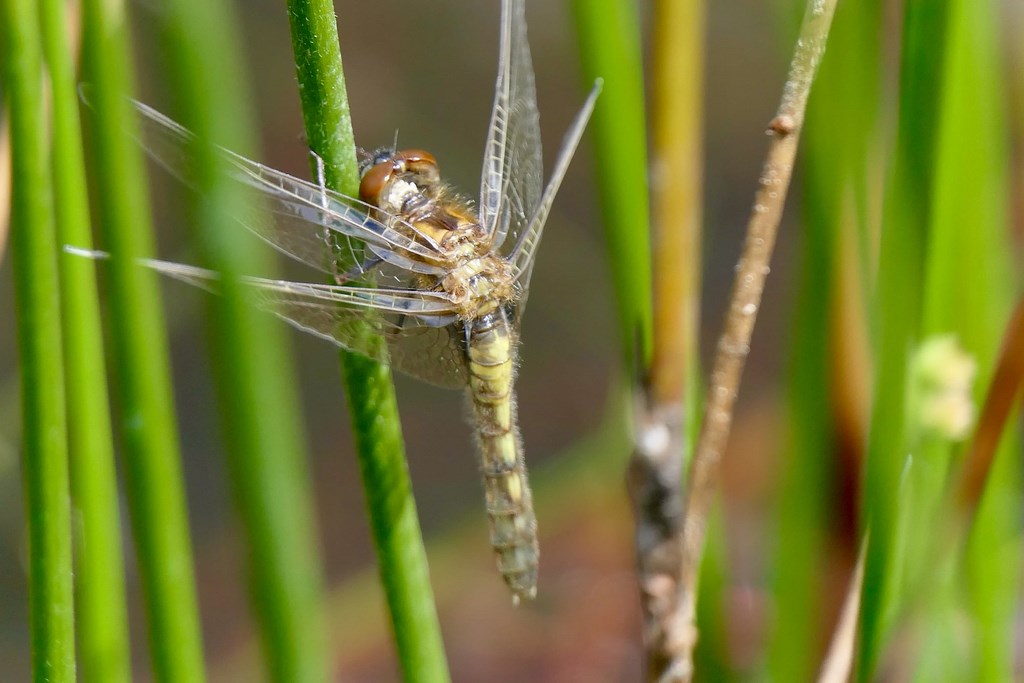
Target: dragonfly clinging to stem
[(442, 281)]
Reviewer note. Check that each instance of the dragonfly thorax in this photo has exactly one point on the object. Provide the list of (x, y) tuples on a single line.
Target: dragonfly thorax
[(480, 285)]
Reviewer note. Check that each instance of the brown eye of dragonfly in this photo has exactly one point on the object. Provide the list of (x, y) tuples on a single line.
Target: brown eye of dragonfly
[(415, 157), (375, 179), (421, 164)]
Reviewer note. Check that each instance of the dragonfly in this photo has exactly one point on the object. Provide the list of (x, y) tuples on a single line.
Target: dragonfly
[(441, 280)]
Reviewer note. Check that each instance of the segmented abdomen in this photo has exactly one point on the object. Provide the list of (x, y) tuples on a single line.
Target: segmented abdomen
[(513, 525)]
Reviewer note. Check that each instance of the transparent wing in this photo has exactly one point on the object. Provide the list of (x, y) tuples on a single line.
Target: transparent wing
[(327, 230), (524, 249), (419, 328), (523, 169), (432, 354), (492, 174), (510, 185)]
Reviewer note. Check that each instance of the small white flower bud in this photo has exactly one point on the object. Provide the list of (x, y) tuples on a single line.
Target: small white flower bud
[(942, 376)]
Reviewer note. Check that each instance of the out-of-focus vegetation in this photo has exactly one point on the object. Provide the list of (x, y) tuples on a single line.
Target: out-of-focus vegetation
[(899, 263)]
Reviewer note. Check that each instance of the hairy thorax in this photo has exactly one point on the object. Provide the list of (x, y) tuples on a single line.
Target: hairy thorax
[(478, 280), (407, 184)]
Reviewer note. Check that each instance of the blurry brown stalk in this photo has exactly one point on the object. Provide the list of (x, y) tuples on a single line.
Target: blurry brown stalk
[(1007, 385), (655, 469), (838, 662), (669, 556)]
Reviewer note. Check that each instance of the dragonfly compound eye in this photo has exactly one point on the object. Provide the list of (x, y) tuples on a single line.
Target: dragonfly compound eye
[(421, 165), (375, 179)]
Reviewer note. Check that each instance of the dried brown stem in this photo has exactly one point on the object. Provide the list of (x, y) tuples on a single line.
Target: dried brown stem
[(734, 345)]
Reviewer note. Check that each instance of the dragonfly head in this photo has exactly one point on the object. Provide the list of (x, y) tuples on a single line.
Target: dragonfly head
[(390, 177)]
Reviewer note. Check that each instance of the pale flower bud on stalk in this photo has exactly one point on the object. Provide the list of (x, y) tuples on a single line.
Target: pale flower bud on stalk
[(942, 376)]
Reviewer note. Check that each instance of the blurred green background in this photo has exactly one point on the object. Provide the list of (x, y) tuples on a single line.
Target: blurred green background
[(426, 70)]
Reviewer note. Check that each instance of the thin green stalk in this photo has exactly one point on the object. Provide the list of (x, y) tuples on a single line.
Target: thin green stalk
[(155, 487), (369, 387), (254, 371), (610, 47), (99, 574), (34, 259)]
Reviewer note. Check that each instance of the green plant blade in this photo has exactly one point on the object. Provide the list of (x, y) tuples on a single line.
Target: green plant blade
[(102, 618), (253, 370), (896, 314), (152, 461), (37, 301), (970, 291)]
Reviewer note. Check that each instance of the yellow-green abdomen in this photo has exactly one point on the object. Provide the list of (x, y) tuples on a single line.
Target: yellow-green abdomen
[(513, 525)]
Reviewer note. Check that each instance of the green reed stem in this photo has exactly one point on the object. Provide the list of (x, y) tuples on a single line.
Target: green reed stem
[(254, 370), (368, 384), (34, 260), (99, 574), (153, 467)]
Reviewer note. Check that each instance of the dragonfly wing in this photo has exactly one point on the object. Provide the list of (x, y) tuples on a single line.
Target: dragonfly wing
[(304, 208), (492, 176), (432, 354), (524, 166), (418, 327), (513, 173), (524, 249), (327, 230)]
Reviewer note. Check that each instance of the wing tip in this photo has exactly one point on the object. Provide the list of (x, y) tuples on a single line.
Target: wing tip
[(94, 254)]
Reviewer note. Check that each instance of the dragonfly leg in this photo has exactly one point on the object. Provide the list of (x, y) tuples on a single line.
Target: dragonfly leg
[(356, 271), (329, 239), (321, 170)]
